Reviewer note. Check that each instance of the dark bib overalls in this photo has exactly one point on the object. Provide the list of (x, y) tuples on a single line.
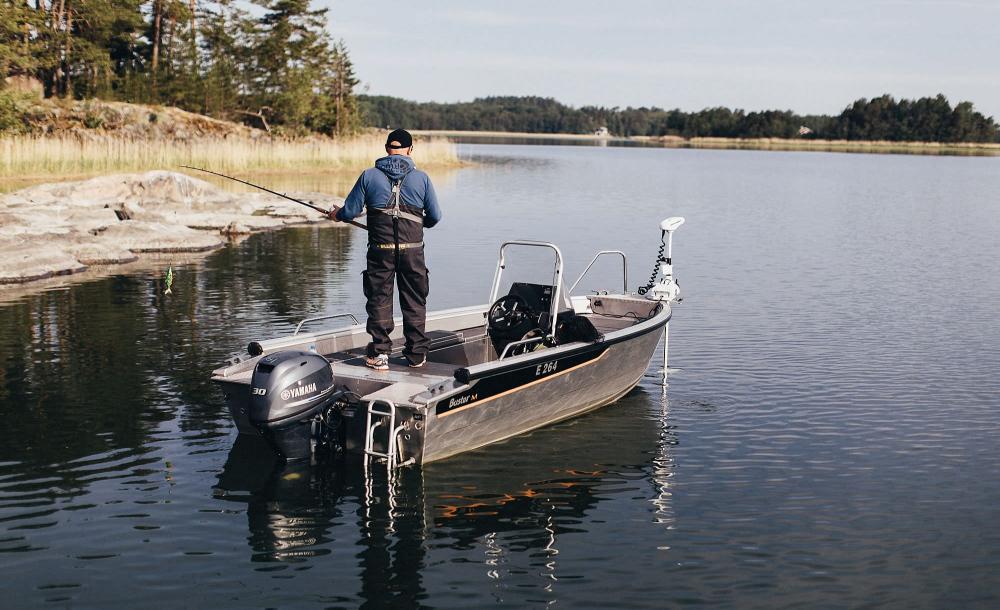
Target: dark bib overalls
[(396, 251)]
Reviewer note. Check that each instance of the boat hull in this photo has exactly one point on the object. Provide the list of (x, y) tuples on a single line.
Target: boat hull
[(540, 393), (441, 411)]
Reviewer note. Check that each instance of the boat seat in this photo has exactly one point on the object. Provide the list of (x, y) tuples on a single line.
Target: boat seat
[(619, 306)]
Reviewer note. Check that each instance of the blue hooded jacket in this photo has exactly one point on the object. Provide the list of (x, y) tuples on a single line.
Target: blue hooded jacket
[(374, 188)]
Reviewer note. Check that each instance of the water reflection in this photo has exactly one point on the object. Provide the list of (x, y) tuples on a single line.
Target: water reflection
[(99, 366), (297, 512), (663, 465), (823, 458), (506, 509)]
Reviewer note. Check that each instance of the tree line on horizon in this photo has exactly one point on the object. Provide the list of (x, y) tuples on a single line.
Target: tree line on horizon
[(928, 119), (271, 63)]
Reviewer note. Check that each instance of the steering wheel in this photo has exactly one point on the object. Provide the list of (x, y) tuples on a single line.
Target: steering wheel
[(508, 313)]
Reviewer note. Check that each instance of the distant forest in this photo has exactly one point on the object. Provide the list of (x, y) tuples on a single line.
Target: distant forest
[(271, 63), (928, 119)]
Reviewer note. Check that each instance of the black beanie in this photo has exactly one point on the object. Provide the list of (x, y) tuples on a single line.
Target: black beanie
[(399, 135)]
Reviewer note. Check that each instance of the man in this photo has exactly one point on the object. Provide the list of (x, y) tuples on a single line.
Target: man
[(401, 202)]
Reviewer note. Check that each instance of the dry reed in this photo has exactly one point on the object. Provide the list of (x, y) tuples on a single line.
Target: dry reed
[(68, 155)]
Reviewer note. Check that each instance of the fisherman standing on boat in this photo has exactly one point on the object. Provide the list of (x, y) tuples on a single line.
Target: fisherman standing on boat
[(401, 202)]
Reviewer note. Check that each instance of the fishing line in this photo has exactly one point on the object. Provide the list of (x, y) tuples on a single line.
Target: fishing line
[(298, 201)]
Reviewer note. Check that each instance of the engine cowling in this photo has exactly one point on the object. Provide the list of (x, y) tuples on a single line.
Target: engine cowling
[(287, 391)]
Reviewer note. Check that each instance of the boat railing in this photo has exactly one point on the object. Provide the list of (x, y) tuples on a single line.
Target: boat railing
[(594, 260), (507, 348), (330, 317), (557, 278)]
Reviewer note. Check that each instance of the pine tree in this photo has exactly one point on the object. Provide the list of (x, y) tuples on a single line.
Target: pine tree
[(342, 83), (291, 51), (226, 57), (103, 46), (20, 49)]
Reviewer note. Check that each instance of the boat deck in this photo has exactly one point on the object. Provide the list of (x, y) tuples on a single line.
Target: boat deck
[(398, 363), (450, 350)]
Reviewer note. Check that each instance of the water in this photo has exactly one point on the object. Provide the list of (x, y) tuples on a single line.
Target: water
[(829, 436)]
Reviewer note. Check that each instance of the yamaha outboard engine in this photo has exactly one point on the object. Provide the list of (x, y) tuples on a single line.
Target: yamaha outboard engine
[(293, 402)]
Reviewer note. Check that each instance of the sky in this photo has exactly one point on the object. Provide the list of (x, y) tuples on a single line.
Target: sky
[(809, 56)]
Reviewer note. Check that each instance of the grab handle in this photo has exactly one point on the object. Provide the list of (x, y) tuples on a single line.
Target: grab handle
[(316, 319)]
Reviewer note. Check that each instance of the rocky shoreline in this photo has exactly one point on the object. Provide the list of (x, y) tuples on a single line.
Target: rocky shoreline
[(67, 228)]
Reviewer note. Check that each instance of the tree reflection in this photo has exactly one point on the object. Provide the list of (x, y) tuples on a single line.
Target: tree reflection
[(100, 365)]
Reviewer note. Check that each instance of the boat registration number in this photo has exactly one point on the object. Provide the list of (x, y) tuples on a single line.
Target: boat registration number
[(545, 368)]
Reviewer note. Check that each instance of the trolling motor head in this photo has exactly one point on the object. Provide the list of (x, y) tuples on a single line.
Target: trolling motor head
[(671, 224), (666, 288)]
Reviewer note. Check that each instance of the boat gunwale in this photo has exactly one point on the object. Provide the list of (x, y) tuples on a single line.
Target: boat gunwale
[(466, 375), (490, 369)]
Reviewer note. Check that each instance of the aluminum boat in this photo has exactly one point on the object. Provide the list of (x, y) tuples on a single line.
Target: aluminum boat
[(529, 358)]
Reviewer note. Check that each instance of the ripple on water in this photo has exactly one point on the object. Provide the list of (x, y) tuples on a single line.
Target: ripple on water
[(828, 436)]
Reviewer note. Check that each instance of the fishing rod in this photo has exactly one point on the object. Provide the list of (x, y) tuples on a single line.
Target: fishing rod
[(299, 201)]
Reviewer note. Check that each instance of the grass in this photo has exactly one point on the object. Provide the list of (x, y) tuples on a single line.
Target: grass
[(69, 155)]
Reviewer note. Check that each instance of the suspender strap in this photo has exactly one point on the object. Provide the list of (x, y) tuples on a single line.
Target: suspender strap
[(394, 207)]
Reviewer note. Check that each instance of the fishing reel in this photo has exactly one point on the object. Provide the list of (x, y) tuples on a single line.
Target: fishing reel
[(666, 289)]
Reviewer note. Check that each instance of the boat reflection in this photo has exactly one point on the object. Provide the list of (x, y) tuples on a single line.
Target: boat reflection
[(500, 507)]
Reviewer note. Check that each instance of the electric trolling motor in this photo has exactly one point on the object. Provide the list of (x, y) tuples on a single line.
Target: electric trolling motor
[(666, 289)]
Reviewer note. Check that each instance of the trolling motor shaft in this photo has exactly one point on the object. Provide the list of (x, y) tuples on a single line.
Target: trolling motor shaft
[(666, 289)]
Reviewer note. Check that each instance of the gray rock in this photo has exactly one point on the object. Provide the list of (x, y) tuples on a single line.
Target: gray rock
[(143, 236), (102, 251), (24, 261), (57, 229)]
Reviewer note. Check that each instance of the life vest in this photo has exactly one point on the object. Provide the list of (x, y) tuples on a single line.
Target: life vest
[(397, 225)]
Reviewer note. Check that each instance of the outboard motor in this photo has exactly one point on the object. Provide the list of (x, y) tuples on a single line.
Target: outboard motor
[(292, 402)]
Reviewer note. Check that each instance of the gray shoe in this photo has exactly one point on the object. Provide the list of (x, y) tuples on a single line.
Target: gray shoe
[(379, 362), (416, 364)]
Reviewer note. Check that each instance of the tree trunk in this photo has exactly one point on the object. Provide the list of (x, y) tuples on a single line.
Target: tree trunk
[(56, 15), (55, 71), (67, 49), (194, 35), (340, 109), (157, 15), (168, 53), (196, 83)]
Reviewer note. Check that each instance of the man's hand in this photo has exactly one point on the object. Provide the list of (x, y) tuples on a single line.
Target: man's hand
[(332, 214)]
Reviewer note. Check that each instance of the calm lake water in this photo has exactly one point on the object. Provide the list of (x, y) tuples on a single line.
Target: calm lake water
[(829, 437)]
